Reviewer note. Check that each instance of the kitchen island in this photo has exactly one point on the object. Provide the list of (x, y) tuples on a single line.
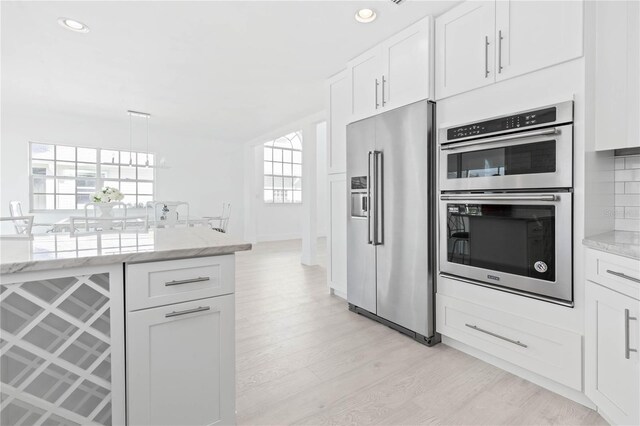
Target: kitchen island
[(70, 305)]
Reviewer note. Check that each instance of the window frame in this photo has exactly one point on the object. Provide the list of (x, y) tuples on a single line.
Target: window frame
[(271, 145), (98, 178)]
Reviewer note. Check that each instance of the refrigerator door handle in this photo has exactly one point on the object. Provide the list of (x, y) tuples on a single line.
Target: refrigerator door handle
[(368, 196), (378, 233)]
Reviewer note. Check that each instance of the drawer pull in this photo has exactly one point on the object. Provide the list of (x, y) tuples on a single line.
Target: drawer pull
[(627, 318), (187, 311), (621, 275), (189, 281), (515, 342)]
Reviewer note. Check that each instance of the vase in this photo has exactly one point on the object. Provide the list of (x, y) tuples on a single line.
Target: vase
[(106, 210)]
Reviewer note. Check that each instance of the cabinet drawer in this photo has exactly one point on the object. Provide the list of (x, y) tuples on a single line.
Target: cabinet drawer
[(546, 350), (621, 274), (173, 281)]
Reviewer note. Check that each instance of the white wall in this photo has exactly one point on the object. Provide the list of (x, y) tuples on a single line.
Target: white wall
[(200, 171), (272, 222), (321, 181)]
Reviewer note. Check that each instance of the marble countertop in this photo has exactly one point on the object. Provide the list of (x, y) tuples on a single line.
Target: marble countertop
[(623, 243), (60, 250)]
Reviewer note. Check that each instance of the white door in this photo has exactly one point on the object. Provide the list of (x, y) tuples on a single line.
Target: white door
[(339, 104), (465, 48), (181, 363), (612, 370), (531, 35), (337, 272), (365, 73), (407, 66)]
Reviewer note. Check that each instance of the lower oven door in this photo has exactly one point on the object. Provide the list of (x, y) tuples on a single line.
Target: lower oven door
[(519, 242)]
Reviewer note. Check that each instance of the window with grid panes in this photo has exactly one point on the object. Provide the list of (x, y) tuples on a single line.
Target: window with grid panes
[(283, 169), (64, 177)]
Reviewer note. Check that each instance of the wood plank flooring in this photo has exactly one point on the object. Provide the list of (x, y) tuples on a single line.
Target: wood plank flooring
[(303, 358)]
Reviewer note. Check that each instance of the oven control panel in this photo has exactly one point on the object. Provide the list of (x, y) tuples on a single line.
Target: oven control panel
[(511, 122)]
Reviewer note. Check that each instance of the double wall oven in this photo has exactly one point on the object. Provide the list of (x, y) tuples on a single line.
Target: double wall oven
[(506, 202)]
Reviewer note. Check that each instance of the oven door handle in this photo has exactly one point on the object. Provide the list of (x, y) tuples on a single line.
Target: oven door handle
[(545, 132), (495, 197)]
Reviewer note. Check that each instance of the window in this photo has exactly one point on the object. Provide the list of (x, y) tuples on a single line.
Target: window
[(64, 177), (283, 169)]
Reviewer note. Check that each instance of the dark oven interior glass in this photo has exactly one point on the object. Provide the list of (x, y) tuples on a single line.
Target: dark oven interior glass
[(531, 158), (517, 239)]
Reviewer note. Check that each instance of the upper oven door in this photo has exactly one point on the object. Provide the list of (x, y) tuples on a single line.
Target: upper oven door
[(520, 241), (528, 160)]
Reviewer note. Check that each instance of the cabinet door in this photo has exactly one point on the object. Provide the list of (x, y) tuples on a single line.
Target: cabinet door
[(536, 34), (465, 48), (180, 364), (617, 83), (339, 106), (365, 73), (407, 66), (337, 273), (612, 373)]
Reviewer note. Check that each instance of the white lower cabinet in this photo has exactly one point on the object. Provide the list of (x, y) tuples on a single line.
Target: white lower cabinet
[(539, 347), (180, 363), (612, 373), (337, 242)]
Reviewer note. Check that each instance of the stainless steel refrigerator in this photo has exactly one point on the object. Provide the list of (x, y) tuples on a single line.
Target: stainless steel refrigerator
[(391, 224)]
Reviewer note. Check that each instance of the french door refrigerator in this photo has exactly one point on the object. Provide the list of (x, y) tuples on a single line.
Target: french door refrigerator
[(391, 224)]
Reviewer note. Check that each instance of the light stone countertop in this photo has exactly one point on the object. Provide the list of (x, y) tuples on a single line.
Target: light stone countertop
[(60, 250), (623, 243)]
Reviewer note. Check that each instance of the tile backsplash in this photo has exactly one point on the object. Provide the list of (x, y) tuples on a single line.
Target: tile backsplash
[(627, 196)]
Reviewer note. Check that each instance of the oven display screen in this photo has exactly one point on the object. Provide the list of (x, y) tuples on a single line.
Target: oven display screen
[(528, 119)]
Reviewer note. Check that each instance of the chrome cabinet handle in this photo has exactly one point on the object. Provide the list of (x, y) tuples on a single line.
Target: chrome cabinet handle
[(486, 56), (187, 311), (523, 135), (369, 198), (490, 333), (187, 281), (627, 318), (377, 103), (498, 197), (383, 83), (500, 51), (622, 275)]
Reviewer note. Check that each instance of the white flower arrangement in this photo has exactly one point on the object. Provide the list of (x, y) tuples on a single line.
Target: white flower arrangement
[(107, 195)]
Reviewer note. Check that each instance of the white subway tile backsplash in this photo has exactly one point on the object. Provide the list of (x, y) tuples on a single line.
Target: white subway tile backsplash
[(627, 225), (632, 162), (627, 193), (627, 200), (632, 212), (627, 175), (629, 188)]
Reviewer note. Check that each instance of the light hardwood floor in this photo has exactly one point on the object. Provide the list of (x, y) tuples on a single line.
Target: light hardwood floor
[(303, 358)]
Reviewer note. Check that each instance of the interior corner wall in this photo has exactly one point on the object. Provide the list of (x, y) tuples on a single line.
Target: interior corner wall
[(200, 171)]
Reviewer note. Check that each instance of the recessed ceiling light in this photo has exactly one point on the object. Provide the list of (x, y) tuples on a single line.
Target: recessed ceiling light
[(366, 15), (73, 25)]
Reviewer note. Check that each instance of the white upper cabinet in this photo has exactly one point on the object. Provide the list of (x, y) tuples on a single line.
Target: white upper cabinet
[(617, 74), (339, 112), (531, 35), (481, 42), (464, 48), (407, 61), (397, 72), (365, 77)]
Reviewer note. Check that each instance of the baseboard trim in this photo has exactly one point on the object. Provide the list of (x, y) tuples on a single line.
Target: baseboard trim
[(340, 294), (544, 382)]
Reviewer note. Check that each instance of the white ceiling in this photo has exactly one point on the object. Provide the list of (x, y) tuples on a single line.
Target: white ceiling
[(229, 71)]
